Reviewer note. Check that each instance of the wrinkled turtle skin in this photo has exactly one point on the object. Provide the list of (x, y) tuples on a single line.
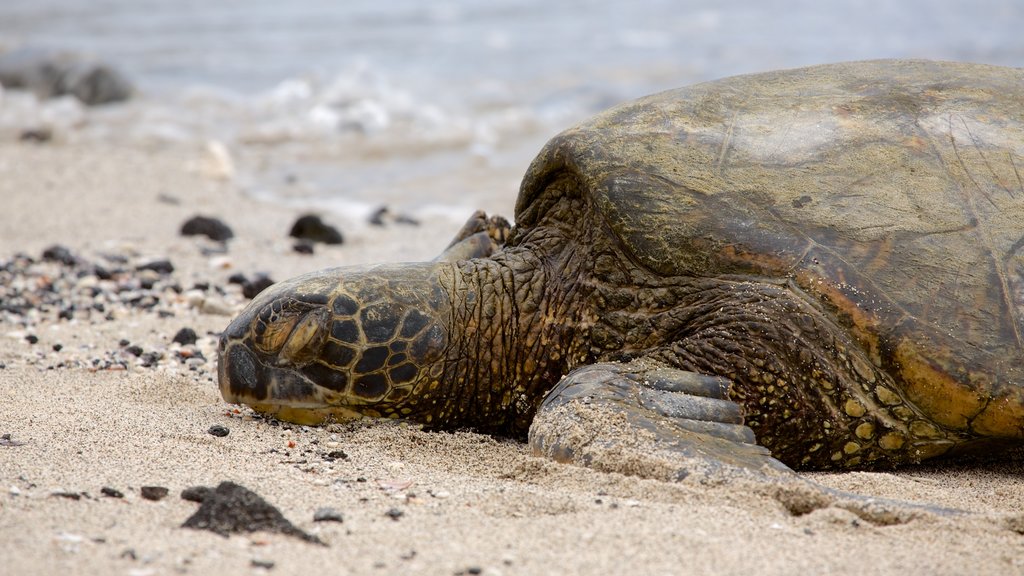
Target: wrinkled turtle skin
[(814, 268)]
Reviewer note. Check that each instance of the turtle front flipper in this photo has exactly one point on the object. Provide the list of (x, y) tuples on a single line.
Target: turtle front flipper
[(479, 237), (650, 421)]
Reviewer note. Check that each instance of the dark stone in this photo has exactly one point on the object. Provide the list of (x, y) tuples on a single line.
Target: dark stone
[(134, 350), (153, 492), (212, 228), (218, 430), (162, 266), (234, 509), (258, 284), (58, 347), (32, 339), (337, 455), (58, 253), (185, 337), (196, 493), (303, 247), (237, 278), (111, 492), (311, 227), (266, 564), (394, 514), (327, 514)]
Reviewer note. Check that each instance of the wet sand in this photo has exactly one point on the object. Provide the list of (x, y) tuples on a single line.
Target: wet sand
[(94, 415)]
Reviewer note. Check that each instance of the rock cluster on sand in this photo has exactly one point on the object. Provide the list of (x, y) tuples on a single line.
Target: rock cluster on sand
[(50, 74)]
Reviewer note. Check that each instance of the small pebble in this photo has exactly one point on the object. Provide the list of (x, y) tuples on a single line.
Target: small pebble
[(303, 247), (153, 492), (268, 564), (394, 514), (218, 431), (337, 455), (111, 492), (327, 514), (32, 339), (160, 266)]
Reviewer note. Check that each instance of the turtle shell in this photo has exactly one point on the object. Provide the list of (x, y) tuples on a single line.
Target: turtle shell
[(893, 191)]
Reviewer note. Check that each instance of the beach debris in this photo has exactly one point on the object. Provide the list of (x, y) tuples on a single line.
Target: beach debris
[(154, 493), (311, 227), (185, 337), (111, 492), (50, 74), (218, 431), (212, 228), (327, 514), (59, 285), (234, 509)]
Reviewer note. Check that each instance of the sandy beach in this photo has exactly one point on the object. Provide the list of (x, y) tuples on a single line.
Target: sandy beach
[(88, 420)]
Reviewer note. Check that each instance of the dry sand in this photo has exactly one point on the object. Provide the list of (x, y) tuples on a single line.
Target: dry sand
[(468, 503)]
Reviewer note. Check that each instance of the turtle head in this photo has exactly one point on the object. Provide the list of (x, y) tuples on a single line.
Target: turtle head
[(339, 344)]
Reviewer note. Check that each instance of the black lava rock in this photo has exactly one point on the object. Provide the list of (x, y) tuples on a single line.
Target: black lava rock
[(394, 513), (303, 247), (58, 253), (237, 278), (111, 492), (218, 431), (185, 337), (153, 492), (311, 227), (212, 228), (234, 509), (250, 288)]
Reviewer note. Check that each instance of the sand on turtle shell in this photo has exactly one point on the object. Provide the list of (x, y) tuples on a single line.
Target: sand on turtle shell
[(412, 502)]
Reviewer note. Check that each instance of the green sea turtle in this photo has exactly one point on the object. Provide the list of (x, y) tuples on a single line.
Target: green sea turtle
[(819, 268)]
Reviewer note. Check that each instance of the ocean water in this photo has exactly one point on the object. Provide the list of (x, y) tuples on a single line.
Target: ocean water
[(437, 107)]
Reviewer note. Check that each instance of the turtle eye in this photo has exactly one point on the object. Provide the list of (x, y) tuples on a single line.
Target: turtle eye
[(292, 331)]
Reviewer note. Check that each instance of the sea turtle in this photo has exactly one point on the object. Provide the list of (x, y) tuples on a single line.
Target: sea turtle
[(819, 268)]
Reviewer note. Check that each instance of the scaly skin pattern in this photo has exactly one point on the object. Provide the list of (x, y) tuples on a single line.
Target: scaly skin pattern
[(842, 243)]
